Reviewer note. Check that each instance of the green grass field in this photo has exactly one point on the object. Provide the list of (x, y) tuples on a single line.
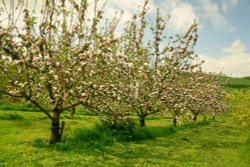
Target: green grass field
[(236, 83), (24, 142)]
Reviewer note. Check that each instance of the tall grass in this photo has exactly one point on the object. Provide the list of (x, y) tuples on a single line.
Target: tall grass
[(103, 135), (18, 107), (11, 116)]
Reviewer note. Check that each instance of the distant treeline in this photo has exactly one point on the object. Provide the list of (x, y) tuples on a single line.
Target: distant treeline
[(238, 83)]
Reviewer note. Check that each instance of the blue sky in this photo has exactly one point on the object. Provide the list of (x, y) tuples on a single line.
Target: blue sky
[(224, 35), (226, 46), (224, 41), (213, 39)]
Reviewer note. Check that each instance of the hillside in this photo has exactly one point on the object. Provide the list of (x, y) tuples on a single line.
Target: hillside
[(237, 83)]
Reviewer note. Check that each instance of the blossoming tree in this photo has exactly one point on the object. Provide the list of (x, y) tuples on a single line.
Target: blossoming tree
[(53, 60), (205, 95), (64, 58), (155, 65)]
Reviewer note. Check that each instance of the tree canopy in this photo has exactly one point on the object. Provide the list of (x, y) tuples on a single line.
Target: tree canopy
[(68, 59)]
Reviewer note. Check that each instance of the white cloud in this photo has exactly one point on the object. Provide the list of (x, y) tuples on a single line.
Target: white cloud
[(228, 4), (212, 12), (129, 7), (236, 47), (182, 14), (15, 10), (235, 62)]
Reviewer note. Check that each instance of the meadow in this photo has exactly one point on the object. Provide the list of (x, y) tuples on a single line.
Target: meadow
[(24, 141), (236, 83), (60, 58)]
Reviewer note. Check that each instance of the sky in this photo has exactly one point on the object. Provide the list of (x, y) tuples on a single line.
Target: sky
[(224, 33)]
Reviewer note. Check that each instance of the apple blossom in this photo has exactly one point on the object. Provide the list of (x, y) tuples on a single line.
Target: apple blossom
[(54, 62)]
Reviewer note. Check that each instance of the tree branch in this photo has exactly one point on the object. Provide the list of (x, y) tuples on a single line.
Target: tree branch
[(71, 106), (41, 108), (9, 94)]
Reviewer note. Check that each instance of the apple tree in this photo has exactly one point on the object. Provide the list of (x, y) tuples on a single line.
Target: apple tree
[(53, 58)]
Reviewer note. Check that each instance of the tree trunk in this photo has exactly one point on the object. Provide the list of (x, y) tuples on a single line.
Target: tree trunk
[(142, 121), (195, 118), (62, 128), (55, 129), (204, 117), (175, 122), (73, 112)]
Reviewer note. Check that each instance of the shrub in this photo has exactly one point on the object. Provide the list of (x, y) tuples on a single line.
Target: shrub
[(241, 108), (126, 130), (92, 138)]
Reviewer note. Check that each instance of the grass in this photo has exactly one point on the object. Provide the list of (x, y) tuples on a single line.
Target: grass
[(18, 107), (24, 143), (11, 116), (246, 150), (236, 83)]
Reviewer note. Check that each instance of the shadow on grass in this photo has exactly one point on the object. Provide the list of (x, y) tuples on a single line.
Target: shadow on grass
[(18, 107), (81, 140), (11, 116), (245, 155), (98, 139)]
